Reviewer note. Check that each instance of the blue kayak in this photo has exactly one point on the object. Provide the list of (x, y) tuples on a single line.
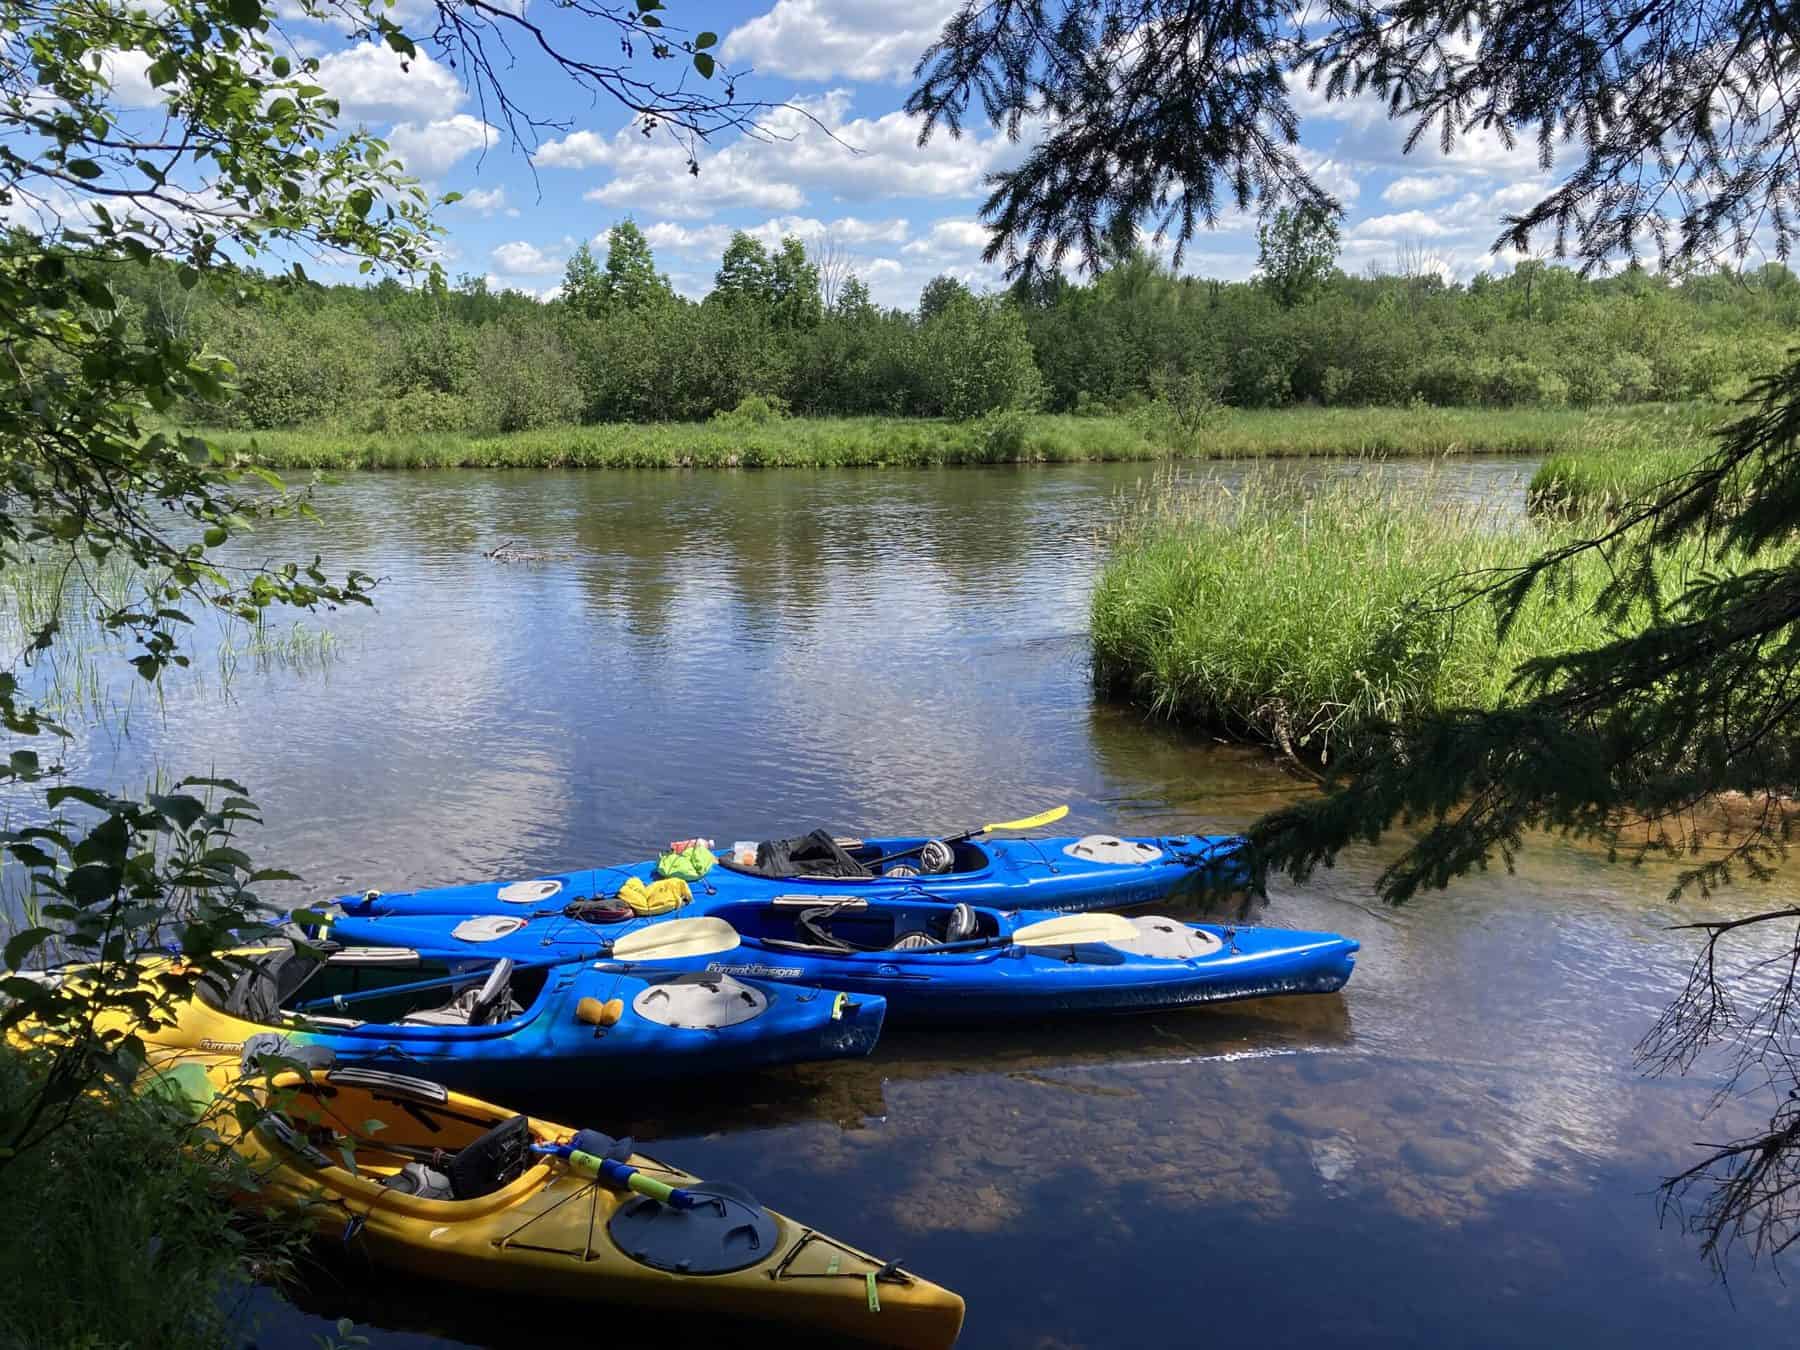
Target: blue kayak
[(1062, 874), (932, 961), (488, 1017)]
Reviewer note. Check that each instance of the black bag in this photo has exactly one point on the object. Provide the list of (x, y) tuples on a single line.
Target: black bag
[(815, 855)]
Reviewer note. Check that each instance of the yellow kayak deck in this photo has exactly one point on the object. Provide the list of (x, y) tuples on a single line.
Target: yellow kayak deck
[(336, 1141)]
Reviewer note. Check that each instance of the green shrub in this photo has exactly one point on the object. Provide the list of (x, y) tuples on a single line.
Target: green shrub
[(422, 410), (754, 410), (974, 356), (529, 379), (1004, 435), (115, 1236)]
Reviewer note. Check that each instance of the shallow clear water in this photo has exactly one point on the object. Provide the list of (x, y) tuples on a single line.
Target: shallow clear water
[(1454, 1151)]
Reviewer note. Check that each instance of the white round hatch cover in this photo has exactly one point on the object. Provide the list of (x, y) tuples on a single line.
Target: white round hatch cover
[(700, 1002), (1168, 938), (1109, 848), (487, 927), (528, 892)]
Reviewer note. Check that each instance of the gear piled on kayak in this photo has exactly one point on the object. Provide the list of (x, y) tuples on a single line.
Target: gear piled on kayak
[(811, 855), (438, 1184)]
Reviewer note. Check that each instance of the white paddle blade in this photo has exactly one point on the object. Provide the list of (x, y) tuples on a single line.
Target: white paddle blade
[(676, 937), (1074, 929)]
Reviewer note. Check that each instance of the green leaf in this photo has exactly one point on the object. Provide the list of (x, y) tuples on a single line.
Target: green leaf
[(246, 13), (24, 943), (215, 536), (84, 168), (705, 40), (704, 64), (56, 796), (92, 881)]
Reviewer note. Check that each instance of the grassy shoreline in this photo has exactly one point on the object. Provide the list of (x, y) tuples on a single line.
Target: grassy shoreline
[(876, 442), (1299, 621)]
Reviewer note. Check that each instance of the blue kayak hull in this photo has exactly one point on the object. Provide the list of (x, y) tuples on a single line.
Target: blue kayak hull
[(983, 979), (549, 1040), (1038, 874)]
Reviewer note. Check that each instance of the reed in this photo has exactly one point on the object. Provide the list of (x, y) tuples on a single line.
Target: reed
[(1301, 619)]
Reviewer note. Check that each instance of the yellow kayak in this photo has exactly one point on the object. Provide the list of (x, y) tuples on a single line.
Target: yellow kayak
[(459, 1190)]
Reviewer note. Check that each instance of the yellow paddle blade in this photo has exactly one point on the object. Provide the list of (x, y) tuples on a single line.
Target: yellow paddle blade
[(1049, 817), (676, 937), (1069, 930)]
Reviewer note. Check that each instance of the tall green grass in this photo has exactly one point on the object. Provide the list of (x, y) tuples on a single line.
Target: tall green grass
[(1298, 620), (846, 442), (1609, 469), (1604, 480)]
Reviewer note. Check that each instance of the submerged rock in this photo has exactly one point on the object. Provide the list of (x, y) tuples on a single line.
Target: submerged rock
[(1333, 1159), (1441, 1157)]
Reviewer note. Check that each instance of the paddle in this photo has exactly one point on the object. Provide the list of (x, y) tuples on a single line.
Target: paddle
[(1072, 930), (674, 938), (1049, 817), (611, 1169)]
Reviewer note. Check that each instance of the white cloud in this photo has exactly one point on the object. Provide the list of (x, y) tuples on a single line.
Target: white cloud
[(842, 39), (813, 147), (1336, 177), (951, 239), (699, 200), (429, 151), (712, 239), (1415, 189), (371, 85), (521, 259), (1516, 197), (128, 74), (486, 202), (1403, 225), (577, 150)]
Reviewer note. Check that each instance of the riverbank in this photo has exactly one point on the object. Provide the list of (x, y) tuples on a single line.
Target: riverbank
[(1297, 621), (735, 441)]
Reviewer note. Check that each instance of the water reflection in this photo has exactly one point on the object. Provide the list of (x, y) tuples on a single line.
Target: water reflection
[(1455, 1151)]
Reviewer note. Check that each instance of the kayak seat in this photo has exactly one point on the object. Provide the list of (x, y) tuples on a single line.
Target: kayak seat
[(478, 1168), (416, 1179), (960, 926), (490, 1161), (490, 1003)]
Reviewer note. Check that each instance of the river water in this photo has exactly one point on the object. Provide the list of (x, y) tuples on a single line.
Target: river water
[(1456, 1150)]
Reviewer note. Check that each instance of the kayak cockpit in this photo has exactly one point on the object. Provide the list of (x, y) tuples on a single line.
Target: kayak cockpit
[(402, 1134), (853, 924), (821, 856), (389, 986)]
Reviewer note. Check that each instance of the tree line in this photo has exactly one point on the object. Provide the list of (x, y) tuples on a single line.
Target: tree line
[(787, 326)]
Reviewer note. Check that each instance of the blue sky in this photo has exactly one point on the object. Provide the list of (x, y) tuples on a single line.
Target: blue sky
[(901, 212)]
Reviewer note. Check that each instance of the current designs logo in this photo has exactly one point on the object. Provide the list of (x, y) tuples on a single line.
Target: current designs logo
[(766, 972)]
